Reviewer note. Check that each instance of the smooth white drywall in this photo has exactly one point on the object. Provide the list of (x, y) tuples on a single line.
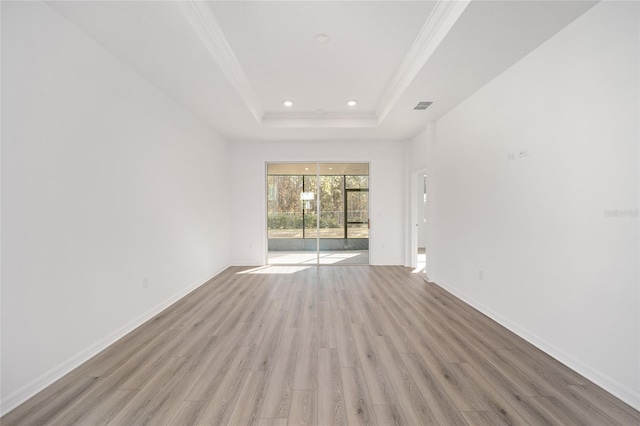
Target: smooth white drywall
[(105, 180), (557, 268), (417, 148), (386, 193)]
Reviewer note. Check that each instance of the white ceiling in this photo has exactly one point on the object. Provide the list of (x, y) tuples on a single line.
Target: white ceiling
[(274, 43), (233, 63)]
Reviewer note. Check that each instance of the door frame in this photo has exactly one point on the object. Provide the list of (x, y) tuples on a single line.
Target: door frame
[(413, 224)]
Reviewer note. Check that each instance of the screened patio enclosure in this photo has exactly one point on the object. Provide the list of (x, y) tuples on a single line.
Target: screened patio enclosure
[(318, 213)]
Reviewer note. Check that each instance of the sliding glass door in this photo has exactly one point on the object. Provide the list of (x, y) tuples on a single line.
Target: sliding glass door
[(318, 213)]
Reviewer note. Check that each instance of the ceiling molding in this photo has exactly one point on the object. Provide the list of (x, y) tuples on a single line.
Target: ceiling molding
[(316, 120), (203, 21), (440, 21), (442, 18)]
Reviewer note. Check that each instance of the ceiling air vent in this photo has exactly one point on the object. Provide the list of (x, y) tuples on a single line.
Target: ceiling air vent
[(422, 105)]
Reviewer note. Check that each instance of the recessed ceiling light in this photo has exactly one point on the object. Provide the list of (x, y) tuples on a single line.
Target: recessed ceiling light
[(352, 102), (288, 103), (322, 38)]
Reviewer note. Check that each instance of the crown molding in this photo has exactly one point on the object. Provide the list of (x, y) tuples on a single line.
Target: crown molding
[(441, 19), (203, 21), (316, 120)]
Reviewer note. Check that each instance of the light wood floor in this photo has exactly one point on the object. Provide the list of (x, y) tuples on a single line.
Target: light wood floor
[(329, 345)]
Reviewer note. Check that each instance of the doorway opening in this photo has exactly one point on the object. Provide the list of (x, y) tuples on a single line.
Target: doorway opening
[(317, 213), (419, 218)]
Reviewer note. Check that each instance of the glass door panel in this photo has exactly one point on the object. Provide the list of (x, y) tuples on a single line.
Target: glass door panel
[(292, 213), (318, 213)]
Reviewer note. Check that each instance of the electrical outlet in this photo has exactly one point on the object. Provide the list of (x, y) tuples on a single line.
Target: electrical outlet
[(145, 282), (523, 153), (511, 156)]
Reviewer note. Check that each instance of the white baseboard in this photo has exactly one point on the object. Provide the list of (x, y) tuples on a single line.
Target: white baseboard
[(613, 387), (30, 389)]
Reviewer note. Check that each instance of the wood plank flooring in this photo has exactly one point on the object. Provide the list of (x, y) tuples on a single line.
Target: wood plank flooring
[(343, 345)]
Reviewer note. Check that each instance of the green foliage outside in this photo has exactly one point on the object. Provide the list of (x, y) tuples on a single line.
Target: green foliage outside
[(283, 195), (285, 207), (289, 221)]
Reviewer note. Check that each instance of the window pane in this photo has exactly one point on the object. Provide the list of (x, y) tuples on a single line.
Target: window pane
[(358, 214), (284, 215), (358, 206), (358, 230), (331, 207), (309, 207), (355, 182)]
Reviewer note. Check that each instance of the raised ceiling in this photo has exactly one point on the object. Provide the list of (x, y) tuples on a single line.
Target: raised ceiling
[(357, 62), (233, 63)]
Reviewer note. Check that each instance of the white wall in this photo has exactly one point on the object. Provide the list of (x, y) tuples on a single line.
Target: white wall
[(417, 150), (105, 181), (386, 193), (556, 269)]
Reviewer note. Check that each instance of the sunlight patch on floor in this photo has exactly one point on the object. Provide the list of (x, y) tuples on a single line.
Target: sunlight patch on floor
[(354, 257), (269, 269)]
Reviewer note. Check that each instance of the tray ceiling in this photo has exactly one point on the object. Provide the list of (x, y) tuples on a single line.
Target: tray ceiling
[(233, 63)]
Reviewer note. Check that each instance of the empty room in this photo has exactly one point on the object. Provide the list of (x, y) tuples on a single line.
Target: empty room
[(320, 212)]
